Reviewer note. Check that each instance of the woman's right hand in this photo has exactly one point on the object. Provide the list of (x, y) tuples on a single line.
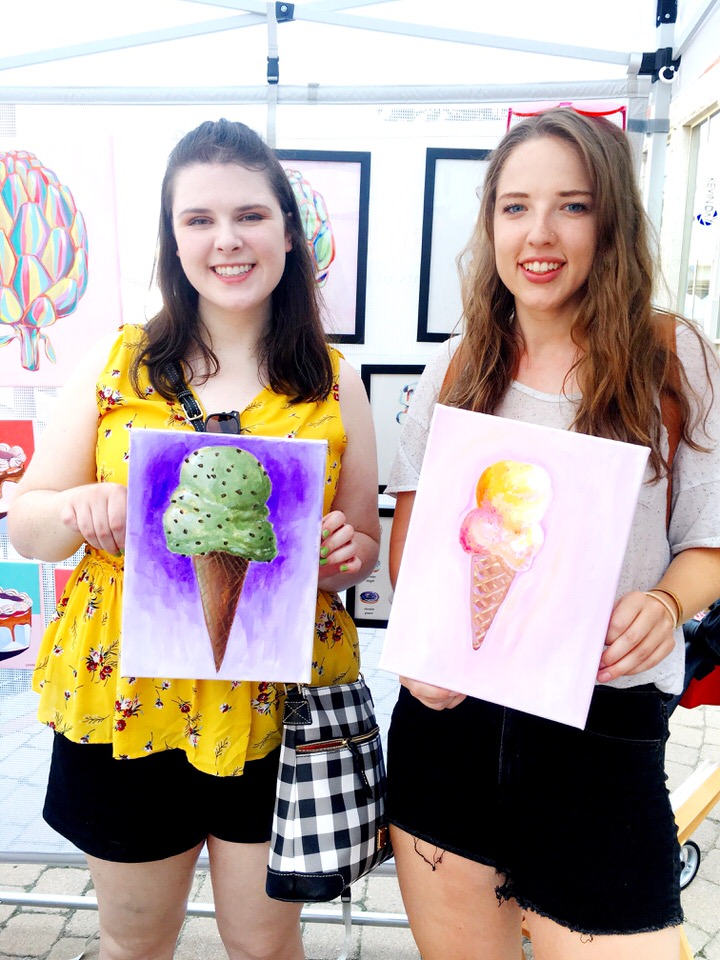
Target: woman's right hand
[(98, 513), (436, 698)]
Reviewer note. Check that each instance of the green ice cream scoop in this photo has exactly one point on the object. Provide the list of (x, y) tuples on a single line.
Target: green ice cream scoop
[(220, 504)]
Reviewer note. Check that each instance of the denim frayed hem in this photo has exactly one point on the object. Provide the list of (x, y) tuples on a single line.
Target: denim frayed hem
[(505, 892)]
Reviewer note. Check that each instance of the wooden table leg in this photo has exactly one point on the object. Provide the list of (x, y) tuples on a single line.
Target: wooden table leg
[(685, 951)]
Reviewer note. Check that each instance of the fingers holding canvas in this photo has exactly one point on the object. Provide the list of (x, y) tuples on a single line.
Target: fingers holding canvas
[(639, 636)]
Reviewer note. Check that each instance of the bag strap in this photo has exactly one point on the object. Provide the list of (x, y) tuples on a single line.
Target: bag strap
[(669, 406), (185, 397)]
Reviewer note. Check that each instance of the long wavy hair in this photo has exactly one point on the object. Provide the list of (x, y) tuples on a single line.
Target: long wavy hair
[(626, 360), (293, 350)]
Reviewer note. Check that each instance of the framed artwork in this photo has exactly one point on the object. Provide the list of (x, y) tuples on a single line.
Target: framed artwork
[(513, 552), (222, 538), (17, 445), (368, 602), (452, 182), (390, 388), (333, 193), (59, 269), (61, 575), (21, 614)]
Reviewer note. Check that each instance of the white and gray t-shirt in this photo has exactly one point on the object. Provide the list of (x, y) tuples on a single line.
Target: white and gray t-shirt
[(695, 517)]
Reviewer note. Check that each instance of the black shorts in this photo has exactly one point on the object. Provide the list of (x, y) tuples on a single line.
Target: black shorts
[(577, 822), (135, 811)]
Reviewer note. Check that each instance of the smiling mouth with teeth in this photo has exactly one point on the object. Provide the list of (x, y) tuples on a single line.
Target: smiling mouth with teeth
[(541, 266), (232, 271)]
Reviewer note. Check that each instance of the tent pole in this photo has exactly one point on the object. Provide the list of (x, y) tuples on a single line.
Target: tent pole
[(659, 124), (273, 76)]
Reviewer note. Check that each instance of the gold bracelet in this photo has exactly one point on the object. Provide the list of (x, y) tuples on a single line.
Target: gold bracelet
[(664, 602), (673, 596)]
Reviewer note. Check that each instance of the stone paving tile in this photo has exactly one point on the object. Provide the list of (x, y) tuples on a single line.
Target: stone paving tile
[(679, 753), (383, 896), (712, 736), (199, 938), (82, 923), (325, 941), (69, 948), (697, 938), (72, 881), (378, 943), (34, 935), (18, 875), (711, 951)]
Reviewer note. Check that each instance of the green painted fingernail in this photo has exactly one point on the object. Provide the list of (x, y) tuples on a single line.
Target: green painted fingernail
[(324, 551), (344, 568), (325, 533), (323, 562)]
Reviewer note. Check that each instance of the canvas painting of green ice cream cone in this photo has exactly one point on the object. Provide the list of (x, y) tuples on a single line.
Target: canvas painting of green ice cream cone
[(223, 540)]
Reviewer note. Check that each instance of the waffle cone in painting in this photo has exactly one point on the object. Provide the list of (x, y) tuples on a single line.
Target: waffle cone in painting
[(489, 584), (220, 577)]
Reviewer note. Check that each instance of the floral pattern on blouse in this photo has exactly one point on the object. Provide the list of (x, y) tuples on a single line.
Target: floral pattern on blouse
[(219, 724)]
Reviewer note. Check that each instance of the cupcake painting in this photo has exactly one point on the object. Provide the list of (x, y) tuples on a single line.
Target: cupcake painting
[(21, 622), (17, 444)]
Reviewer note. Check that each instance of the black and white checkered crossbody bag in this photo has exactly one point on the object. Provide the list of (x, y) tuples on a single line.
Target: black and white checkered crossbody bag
[(329, 827)]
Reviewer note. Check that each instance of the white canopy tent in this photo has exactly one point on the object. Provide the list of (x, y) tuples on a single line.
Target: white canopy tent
[(353, 51)]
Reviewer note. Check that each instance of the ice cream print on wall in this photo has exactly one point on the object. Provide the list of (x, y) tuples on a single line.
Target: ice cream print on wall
[(512, 561), (502, 534), (222, 543)]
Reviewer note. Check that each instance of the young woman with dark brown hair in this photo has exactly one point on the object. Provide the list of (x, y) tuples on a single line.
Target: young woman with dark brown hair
[(145, 771)]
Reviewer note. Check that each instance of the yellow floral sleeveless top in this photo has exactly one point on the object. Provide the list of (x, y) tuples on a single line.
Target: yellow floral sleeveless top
[(219, 724)]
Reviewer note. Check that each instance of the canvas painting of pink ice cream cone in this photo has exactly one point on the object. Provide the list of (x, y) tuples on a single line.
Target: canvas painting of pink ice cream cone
[(223, 540), (502, 534), (512, 561)]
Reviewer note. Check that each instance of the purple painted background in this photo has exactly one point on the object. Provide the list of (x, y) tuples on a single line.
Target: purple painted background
[(164, 633)]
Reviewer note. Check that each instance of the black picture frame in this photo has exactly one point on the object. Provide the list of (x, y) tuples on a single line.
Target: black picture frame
[(451, 204), (342, 178), (389, 387), (369, 601)]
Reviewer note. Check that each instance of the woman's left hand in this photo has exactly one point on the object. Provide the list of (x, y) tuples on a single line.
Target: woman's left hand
[(639, 636), (338, 545)]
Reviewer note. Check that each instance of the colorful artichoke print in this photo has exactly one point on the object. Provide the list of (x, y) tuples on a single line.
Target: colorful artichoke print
[(316, 224), (43, 254)]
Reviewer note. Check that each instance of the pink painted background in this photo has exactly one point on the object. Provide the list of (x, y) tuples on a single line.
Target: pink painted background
[(542, 651)]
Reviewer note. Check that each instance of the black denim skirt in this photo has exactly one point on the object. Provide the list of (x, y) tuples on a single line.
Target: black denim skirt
[(578, 823)]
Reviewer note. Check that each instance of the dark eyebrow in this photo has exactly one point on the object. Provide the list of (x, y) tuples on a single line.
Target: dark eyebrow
[(196, 211)]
